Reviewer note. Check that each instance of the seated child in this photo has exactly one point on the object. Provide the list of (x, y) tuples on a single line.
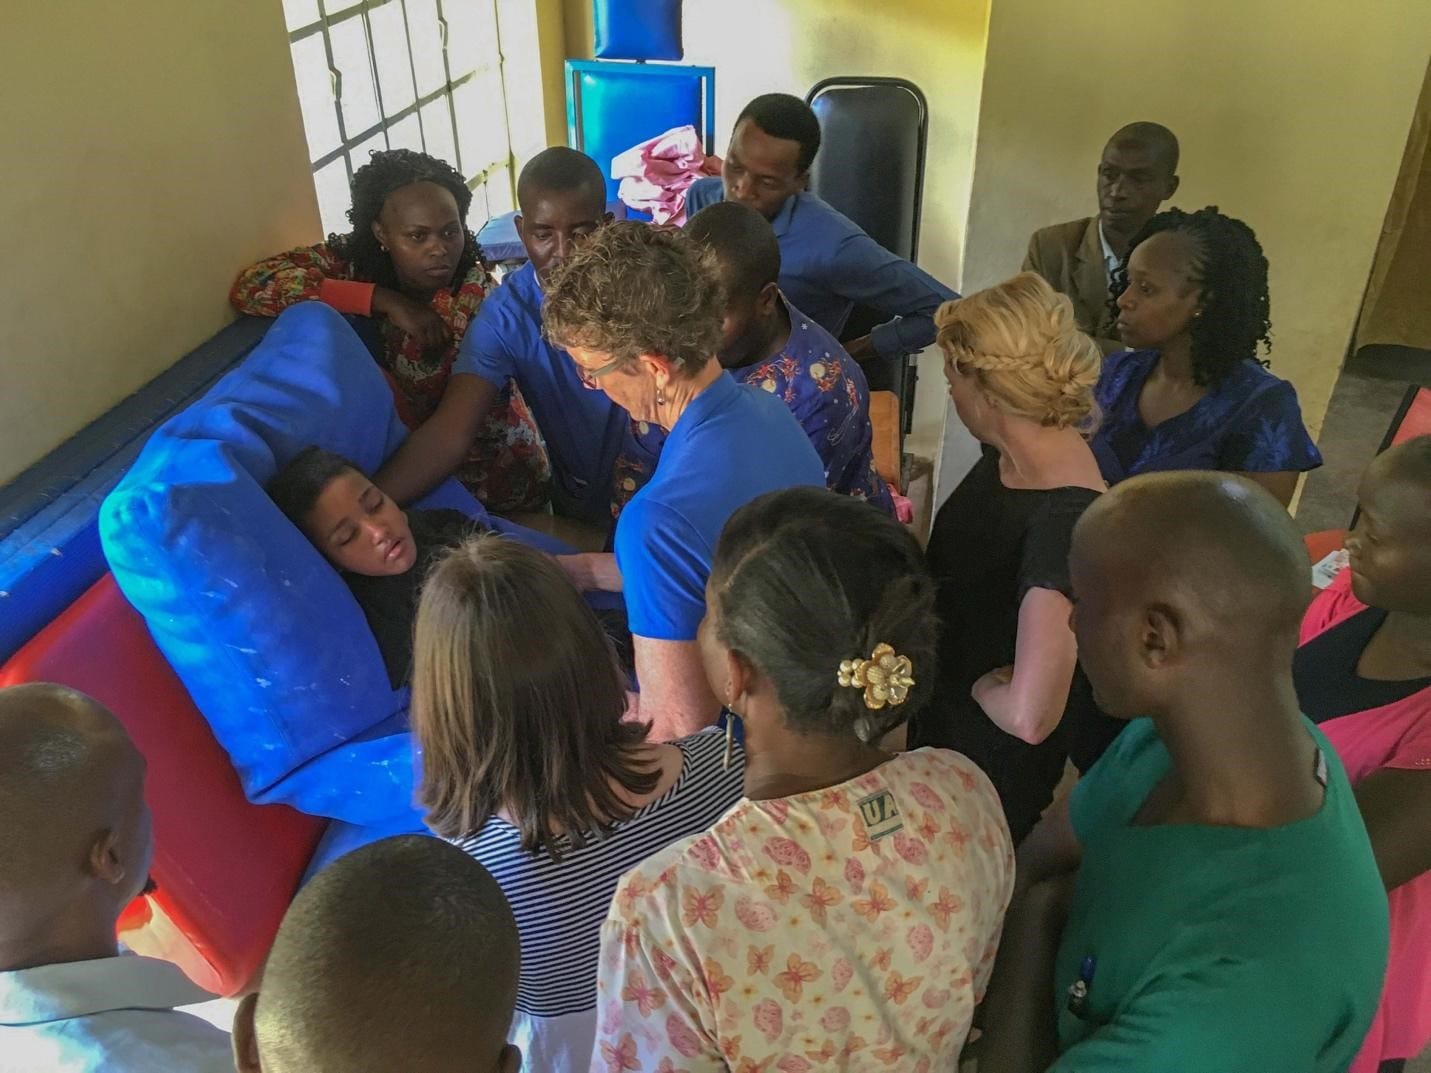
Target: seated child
[(401, 955), (381, 550), (75, 847)]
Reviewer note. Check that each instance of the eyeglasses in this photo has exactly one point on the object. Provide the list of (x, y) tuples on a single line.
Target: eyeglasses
[(590, 378)]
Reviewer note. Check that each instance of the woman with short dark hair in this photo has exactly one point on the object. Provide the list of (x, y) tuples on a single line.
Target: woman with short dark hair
[(845, 913), (528, 765)]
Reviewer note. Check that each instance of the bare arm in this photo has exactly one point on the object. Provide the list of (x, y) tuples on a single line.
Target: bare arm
[(437, 447), (1028, 699), (675, 696), (592, 571), (1051, 848), (1281, 484), (1017, 1018), (1020, 1022), (1395, 803)]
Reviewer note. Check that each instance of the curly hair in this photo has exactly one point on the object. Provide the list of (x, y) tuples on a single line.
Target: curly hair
[(632, 289), (1021, 343), (1230, 269), (387, 171)]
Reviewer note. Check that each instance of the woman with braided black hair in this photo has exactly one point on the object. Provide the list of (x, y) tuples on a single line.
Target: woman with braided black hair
[(1191, 304), (411, 264)]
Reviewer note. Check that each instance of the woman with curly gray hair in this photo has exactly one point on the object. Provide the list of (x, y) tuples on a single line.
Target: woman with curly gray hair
[(640, 311)]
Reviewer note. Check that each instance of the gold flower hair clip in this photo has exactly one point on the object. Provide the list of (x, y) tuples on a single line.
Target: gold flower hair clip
[(886, 677)]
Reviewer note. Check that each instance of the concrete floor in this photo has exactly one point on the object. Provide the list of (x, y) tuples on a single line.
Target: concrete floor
[(1363, 403), (1358, 416)]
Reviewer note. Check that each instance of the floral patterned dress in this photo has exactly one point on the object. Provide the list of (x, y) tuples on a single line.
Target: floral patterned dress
[(852, 928), (507, 468)]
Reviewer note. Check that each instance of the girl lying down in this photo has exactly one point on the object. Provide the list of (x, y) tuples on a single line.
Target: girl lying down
[(382, 551)]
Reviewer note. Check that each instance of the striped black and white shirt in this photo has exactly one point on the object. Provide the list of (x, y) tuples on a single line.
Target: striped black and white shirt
[(561, 904)]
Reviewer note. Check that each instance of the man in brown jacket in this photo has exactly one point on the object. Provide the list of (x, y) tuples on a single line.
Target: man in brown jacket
[(1137, 173)]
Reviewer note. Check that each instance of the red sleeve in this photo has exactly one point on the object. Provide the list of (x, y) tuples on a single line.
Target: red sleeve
[(347, 295), (299, 275), (1333, 604)]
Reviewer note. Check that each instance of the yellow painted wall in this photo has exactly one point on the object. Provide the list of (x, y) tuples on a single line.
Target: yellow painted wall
[(150, 151), (1292, 116), (761, 46)]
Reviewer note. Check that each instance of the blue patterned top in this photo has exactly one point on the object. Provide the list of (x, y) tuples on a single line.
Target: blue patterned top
[(827, 392), (1249, 422)]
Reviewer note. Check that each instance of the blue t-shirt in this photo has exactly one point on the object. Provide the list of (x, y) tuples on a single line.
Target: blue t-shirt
[(1215, 949), (827, 392), (828, 264), (1248, 422), (732, 444), (584, 430)]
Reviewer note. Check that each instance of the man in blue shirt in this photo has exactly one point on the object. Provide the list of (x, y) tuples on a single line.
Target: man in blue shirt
[(562, 198), (828, 264)]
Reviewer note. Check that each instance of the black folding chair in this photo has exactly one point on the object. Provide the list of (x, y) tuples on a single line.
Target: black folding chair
[(871, 168)]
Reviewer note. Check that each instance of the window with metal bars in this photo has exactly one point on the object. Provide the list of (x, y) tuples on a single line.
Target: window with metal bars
[(409, 74)]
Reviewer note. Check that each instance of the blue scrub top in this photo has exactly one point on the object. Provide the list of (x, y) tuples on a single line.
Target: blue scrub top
[(732, 444), (828, 265), (584, 430)]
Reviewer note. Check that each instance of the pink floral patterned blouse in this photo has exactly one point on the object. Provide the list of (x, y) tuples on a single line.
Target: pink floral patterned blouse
[(852, 928)]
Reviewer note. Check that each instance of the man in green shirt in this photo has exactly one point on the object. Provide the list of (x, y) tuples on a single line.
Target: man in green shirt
[(1207, 900)]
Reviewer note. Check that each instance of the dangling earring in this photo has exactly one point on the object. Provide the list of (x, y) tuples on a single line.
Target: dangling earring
[(382, 247), (730, 718), (660, 396)]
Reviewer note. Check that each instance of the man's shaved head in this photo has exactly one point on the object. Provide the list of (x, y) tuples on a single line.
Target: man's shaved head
[(744, 245), (1137, 172), (74, 831), (1210, 559), (400, 955), (561, 195), (561, 171), (1154, 137)]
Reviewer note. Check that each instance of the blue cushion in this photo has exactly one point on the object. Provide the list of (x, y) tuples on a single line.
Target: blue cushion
[(638, 29), (262, 631), (618, 105)]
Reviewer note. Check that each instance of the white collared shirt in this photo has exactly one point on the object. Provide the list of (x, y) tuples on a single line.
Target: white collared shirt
[(1110, 259), (111, 1015)]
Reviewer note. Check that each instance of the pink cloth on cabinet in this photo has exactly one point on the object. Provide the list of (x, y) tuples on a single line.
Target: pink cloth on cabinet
[(1393, 736), (656, 174)]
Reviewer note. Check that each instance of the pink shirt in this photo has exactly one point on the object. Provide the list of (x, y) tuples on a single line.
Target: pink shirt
[(1393, 736)]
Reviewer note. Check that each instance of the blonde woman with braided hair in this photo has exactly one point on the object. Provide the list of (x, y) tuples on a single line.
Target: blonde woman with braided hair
[(845, 912), (1009, 694)]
